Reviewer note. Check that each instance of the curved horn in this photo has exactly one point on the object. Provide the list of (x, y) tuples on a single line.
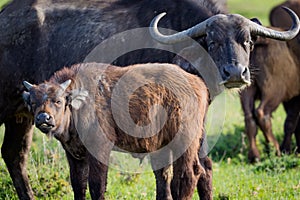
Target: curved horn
[(65, 84), (195, 31), (279, 35), (27, 85)]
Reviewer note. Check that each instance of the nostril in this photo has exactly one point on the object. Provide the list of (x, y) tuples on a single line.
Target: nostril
[(226, 72), (245, 72), (48, 117), (43, 117)]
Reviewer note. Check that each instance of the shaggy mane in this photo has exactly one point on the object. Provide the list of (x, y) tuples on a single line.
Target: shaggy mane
[(65, 74)]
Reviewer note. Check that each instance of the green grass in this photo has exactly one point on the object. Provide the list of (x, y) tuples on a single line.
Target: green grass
[(3, 3), (253, 9), (234, 178)]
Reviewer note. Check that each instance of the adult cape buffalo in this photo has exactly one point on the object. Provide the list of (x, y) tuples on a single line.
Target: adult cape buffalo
[(292, 107), (38, 37)]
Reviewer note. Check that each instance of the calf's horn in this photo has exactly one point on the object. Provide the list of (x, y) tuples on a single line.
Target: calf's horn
[(65, 84), (27, 85)]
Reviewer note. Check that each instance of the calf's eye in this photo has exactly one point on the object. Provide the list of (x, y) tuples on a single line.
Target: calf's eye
[(58, 102)]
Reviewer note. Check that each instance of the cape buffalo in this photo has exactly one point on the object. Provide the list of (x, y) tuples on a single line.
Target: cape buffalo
[(292, 107), (39, 37), (277, 80), (60, 110), (275, 62)]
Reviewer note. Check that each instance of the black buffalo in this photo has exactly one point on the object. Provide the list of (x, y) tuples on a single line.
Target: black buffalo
[(39, 37)]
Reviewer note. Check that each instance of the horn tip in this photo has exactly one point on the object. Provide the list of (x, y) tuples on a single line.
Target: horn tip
[(27, 85)]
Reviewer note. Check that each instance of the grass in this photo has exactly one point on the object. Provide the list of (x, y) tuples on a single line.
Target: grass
[(3, 3), (234, 178), (253, 8)]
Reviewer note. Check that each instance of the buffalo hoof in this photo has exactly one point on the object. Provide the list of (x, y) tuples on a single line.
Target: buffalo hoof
[(285, 149), (253, 156)]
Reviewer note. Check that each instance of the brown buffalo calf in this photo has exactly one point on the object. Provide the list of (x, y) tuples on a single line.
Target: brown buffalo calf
[(154, 109)]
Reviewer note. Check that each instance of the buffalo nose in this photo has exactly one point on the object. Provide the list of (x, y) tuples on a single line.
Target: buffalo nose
[(236, 73), (43, 118)]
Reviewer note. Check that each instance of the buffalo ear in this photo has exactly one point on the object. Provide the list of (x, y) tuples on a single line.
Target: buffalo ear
[(77, 98), (255, 20), (26, 98)]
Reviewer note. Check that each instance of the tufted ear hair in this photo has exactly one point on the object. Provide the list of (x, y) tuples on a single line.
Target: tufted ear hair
[(26, 95), (77, 98), (26, 98)]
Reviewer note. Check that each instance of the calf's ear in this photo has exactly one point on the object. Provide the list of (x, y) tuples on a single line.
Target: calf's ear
[(26, 98), (26, 95), (78, 98)]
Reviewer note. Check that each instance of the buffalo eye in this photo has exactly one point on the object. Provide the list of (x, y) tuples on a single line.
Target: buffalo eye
[(248, 44), (58, 103), (251, 45), (33, 105), (211, 46)]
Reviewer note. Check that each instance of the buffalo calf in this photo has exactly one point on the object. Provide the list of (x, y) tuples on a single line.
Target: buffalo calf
[(155, 109)]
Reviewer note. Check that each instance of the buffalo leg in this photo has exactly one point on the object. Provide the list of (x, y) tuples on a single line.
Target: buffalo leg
[(297, 134), (79, 170), (292, 111), (247, 101), (187, 171), (97, 178), (263, 115), (204, 185), (163, 179), (15, 148)]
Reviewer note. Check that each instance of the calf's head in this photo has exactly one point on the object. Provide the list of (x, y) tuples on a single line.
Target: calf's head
[(228, 39), (50, 104)]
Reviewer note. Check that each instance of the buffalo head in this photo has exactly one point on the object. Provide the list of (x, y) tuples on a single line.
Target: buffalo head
[(229, 40), (49, 103)]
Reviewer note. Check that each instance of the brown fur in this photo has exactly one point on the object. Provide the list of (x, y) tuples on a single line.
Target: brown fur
[(177, 181), (276, 80)]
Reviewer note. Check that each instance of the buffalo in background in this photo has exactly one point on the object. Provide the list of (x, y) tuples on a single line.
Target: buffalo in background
[(39, 37), (277, 80)]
